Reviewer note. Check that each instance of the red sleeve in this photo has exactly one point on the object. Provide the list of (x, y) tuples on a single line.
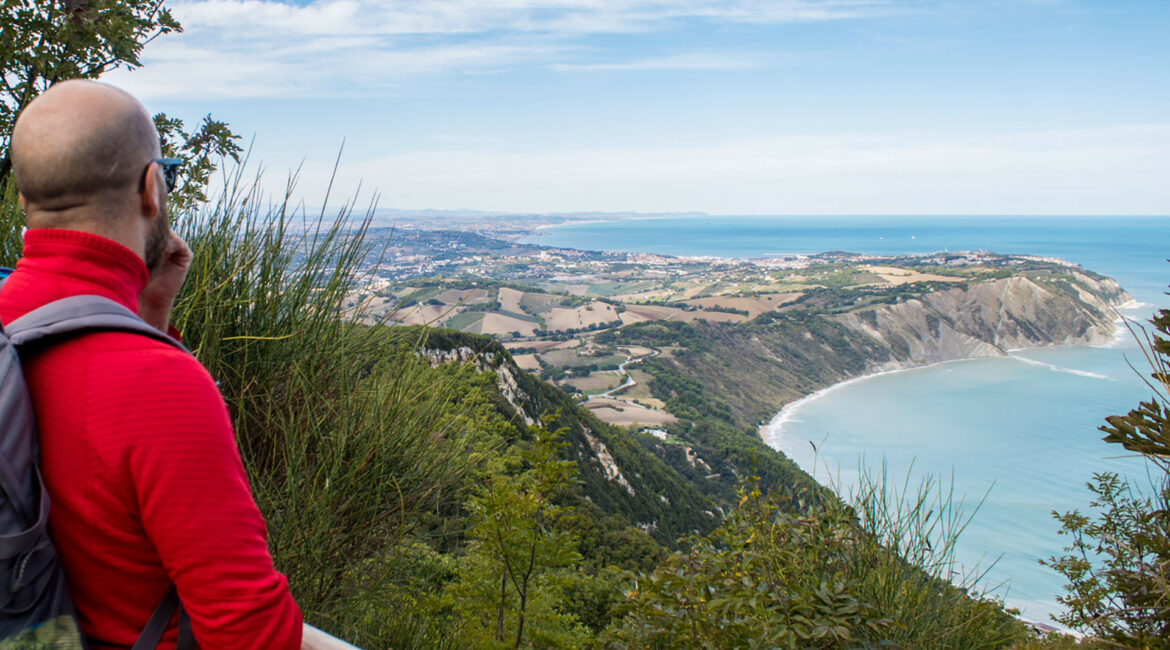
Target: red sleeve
[(198, 511)]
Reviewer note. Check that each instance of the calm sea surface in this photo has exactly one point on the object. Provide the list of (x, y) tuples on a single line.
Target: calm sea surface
[(1020, 430)]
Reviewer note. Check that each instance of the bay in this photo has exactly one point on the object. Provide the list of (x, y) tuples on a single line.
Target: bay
[(1018, 432)]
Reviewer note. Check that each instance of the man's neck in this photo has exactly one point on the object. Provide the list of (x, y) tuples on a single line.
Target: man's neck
[(84, 219)]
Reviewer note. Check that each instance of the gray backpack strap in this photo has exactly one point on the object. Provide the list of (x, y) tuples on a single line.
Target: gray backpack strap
[(78, 314), (17, 544), (157, 625), (152, 634)]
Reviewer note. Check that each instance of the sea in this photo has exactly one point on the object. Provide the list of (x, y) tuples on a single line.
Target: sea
[(1015, 438)]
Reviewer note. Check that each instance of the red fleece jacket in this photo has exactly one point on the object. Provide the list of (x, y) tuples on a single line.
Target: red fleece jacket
[(140, 461)]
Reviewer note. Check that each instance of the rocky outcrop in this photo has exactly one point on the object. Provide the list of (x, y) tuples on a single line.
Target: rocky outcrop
[(506, 373), (988, 319), (605, 459)]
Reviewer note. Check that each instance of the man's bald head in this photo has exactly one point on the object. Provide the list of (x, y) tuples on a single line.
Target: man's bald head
[(81, 145)]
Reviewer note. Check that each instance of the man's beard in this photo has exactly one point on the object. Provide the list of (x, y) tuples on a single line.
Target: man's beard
[(156, 242)]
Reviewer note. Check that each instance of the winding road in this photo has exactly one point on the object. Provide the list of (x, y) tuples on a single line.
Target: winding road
[(629, 380)]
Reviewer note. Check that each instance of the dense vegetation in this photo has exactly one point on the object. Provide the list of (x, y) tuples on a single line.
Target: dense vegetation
[(740, 373)]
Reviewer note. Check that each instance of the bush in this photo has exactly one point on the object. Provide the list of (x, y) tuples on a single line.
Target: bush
[(784, 575), (1118, 562)]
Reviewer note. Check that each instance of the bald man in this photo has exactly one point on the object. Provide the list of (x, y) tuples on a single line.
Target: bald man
[(137, 450)]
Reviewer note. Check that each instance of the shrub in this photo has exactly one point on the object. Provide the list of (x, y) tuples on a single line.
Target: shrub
[(1118, 561), (785, 575)]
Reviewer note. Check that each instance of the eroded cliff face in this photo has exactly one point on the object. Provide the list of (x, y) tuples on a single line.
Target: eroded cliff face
[(758, 367), (506, 374), (988, 319)]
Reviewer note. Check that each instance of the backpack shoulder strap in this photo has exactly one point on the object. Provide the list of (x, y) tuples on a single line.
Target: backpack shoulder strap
[(156, 627), (76, 315), (80, 314)]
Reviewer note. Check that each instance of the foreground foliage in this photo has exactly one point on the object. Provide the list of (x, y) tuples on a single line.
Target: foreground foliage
[(784, 575), (1118, 561)]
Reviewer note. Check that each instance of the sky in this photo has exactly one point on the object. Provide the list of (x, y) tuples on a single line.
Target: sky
[(938, 107)]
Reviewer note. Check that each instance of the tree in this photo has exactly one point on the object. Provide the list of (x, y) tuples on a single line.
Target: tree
[(511, 579), (49, 41), (199, 149), (1118, 562)]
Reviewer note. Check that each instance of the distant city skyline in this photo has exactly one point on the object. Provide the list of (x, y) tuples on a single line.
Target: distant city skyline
[(721, 106)]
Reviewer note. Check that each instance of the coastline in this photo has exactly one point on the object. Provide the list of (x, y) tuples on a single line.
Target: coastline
[(772, 432), (537, 230), (1035, 608)]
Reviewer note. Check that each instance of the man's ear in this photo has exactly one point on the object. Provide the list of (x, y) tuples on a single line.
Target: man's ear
[(23, 202), (148, 198)]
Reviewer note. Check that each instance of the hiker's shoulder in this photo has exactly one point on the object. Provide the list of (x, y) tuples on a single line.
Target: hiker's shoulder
[(133, 356)]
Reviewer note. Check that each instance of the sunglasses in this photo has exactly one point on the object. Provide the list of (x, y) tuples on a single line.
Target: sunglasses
[(170, 168)]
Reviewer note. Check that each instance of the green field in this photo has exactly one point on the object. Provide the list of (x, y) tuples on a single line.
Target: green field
[(464, 320)]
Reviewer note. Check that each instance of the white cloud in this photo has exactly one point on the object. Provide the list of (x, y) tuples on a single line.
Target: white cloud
[(691, 61), (316, 67), (1101, 171), (391, 17), (256, 48)]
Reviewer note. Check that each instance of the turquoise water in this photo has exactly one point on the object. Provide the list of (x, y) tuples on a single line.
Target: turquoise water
[(1020, 430)]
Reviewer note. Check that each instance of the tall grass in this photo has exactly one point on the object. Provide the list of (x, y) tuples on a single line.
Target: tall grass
[(905, 559), (870, 574), (349, 439)]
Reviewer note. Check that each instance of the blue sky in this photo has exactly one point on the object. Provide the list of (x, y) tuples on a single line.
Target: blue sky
[(725, 106)]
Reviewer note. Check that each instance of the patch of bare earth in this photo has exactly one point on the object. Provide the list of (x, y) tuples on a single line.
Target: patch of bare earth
[(753, 306), (626, 414), (898, 277), (714, 317), (595, 382), (424, 314), (510, 299), (595, 313), (499, 324), (462, 296), (527, 362), (641, 313)]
